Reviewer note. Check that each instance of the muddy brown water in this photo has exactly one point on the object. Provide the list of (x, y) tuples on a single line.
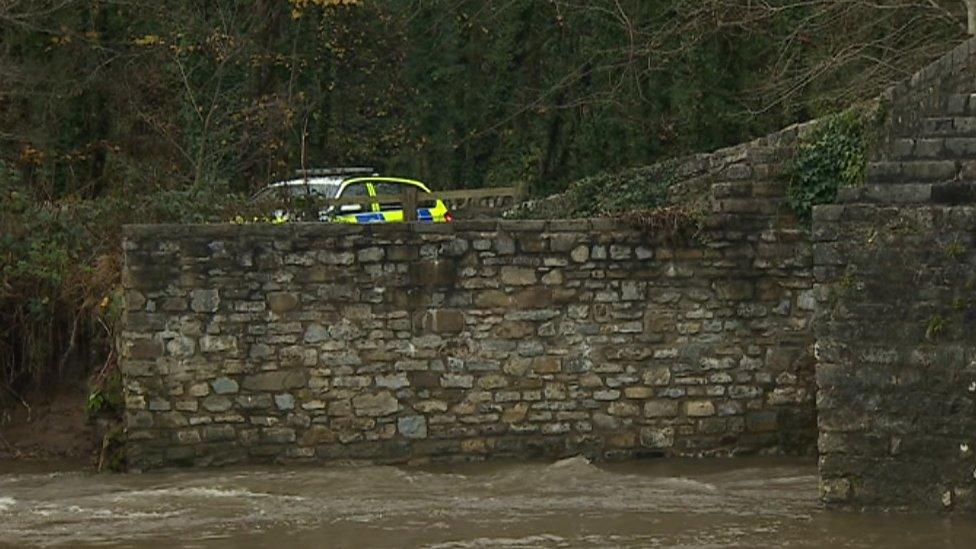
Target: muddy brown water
[(571, 503)]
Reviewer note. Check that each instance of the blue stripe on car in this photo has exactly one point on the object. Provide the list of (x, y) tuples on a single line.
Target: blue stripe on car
[(370, 218)]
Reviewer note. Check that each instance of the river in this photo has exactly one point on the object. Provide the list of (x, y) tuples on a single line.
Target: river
[(571, 503)]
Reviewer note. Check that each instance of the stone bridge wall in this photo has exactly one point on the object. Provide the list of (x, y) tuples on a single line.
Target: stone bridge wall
[(896, 321), (522, 338), (473, 339)]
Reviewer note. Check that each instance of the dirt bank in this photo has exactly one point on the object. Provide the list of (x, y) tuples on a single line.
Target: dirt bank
[(53, 425)]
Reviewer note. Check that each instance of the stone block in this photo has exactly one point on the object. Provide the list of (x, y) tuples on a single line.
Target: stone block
[(532, 298), (224, 386), (444, 321), (580, 254), (284, 401), (254, 402), (335, 258), (699, 408), (661, 408), (413, 427), (260, 351), (492, 381), (543, 365), (276, 381), (623, 409), (217, 344), (318, 434), (433, 273), (282, 302), (657, 376), (205, 301), (316, 333), (143, 349), (375, 405), (638, 392), (660, 438), (606, 394), (392, 381), (734, 290), (217, 404), (518, 276), (492, 299), (219, 433), (457, 381), (766, 421)]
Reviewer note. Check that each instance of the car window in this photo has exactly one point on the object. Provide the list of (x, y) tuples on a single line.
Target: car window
[(355, 189), (296, 190), (317, 189), (389, 188)]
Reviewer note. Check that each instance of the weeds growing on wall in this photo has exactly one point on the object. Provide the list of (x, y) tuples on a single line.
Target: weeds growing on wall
[(834, 156)]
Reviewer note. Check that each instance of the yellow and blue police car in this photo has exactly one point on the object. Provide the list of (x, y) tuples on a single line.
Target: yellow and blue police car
[(347, 182)]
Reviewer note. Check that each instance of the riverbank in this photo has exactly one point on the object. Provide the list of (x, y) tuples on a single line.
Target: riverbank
[(50, 426)]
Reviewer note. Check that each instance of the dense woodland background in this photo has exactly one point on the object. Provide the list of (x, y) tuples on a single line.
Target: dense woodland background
[(114, 111)]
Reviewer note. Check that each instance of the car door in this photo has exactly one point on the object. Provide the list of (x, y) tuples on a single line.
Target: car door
[(393, 211), (357, 213)]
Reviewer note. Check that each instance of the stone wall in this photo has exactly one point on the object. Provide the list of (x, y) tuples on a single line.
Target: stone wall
[(475, 339), (897, 371), (896, 320)]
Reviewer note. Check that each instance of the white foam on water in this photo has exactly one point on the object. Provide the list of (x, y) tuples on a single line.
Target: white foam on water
[(202, 492), (6, 503), (571, 462), (527, 541), (683, 483)]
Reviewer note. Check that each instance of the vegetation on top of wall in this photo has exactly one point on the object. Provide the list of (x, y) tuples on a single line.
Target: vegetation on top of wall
[(609, 193), (833, 156)]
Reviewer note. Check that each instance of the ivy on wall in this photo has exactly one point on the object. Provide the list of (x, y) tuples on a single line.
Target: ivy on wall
[(833, 156)]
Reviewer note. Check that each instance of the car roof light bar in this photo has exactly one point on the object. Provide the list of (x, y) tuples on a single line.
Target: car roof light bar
[(315, 172)]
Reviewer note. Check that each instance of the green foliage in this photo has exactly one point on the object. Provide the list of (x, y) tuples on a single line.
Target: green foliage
[(107, 396), (834, 156), (954, 250), (640, 189), (935, 327), (607, 194), (60, 267)]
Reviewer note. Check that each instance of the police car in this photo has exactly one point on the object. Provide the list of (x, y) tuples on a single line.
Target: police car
[(346, 182)]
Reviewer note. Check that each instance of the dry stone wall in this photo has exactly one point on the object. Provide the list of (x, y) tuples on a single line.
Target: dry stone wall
[(393, 343)]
